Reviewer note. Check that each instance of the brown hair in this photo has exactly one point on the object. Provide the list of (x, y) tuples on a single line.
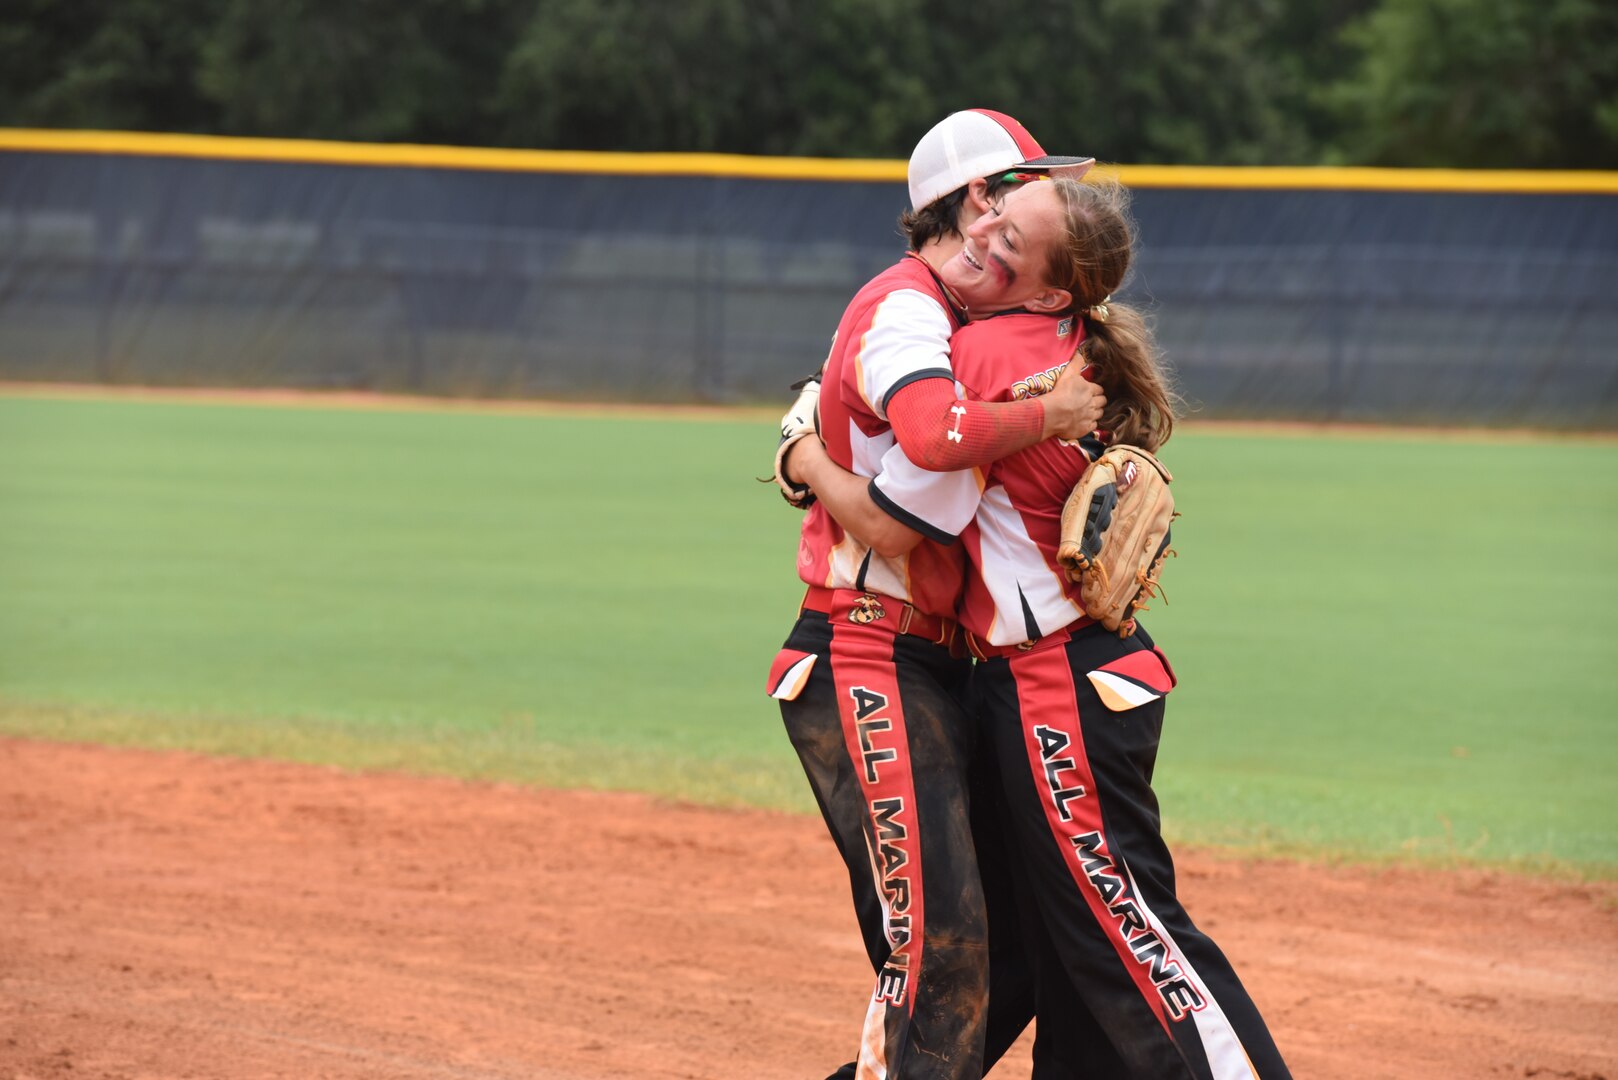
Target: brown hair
[(1091, 264), (941, 217)]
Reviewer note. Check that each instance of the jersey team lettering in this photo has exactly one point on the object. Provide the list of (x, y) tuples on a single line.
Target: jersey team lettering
[(1041, 382)]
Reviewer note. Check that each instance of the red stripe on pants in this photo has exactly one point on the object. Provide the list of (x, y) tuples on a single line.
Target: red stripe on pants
[(1054, 741), (872, 714)]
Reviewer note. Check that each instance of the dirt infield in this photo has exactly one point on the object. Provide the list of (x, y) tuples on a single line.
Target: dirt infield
[(166, 915)]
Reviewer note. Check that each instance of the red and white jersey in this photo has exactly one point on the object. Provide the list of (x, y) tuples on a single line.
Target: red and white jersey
[(1015, 589), (896, 330)]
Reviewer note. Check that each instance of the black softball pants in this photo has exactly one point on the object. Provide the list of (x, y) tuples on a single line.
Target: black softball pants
[(1075, 724), (889, 753)]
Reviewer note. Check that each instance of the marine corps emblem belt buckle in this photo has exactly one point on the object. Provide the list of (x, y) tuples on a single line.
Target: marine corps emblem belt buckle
[(867, 609)]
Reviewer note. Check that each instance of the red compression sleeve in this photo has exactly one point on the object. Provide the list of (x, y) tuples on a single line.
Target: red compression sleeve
[(943, 433)]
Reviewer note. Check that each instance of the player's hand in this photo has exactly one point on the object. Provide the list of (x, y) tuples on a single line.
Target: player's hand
[(1073, 407)]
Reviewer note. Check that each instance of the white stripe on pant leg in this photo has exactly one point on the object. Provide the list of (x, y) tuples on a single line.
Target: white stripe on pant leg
[(1227, 1058), (873, 1063), (873, 1060)]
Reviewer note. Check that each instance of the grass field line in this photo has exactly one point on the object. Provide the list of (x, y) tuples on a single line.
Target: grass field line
[(376, 401), (416, 589)]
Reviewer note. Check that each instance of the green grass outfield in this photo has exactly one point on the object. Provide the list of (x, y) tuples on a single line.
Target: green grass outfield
[(1389, 645)]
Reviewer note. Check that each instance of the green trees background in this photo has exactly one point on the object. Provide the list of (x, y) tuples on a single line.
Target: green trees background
[(1462, 83)]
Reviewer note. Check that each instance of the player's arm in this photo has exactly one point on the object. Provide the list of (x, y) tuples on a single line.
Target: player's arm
[(847, 497), (944, 433), (905, 377)]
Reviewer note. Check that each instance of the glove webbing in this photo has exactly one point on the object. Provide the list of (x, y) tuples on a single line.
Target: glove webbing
[(1147, 577)]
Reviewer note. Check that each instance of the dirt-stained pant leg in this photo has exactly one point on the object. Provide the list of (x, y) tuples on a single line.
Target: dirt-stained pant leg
[(1012, 951), (815, 728), (886, 747)]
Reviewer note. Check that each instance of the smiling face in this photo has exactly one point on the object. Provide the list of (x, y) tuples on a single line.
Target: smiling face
[(1005, 259)]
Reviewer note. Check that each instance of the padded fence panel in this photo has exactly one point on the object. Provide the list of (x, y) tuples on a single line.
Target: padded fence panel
[(1310, 304)]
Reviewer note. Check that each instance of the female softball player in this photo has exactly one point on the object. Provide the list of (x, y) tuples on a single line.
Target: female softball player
[(872, 675), (1073, 712)]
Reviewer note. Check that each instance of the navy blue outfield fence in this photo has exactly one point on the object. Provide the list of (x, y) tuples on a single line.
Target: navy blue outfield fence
[(1314, 294)]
